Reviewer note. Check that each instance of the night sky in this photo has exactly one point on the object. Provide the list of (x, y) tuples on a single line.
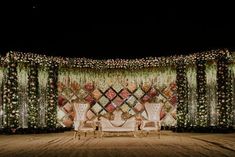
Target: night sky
[(70, 30)]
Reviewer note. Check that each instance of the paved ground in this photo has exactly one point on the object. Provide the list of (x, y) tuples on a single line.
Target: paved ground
[(170, 144)]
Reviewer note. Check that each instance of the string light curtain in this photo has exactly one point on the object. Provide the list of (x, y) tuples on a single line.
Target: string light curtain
[(22, 75), (192, 94)]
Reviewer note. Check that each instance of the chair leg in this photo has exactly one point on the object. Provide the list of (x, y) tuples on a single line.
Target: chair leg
[(79, 135), (94, 134), (134, 134), (141, 133), (102, 134), (147, 133), (159, 134), (75, 134)]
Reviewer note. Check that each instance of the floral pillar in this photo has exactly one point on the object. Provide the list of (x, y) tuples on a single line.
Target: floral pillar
[(182, 96), (10, 101), (42, 80), (224, 109), (202, 117), (33, 94), (52, 96)]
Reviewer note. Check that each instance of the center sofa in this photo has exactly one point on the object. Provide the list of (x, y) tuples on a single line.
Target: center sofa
[(118, 124)]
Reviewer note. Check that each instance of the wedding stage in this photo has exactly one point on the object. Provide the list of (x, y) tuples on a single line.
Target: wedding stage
[(42, 96), (170, 144)]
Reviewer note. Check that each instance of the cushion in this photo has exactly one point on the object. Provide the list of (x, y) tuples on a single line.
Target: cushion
[(150, 124)]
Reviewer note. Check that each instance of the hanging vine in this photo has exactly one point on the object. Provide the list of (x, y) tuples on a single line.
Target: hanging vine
[(211, 71), (192, 94), (22, 74)]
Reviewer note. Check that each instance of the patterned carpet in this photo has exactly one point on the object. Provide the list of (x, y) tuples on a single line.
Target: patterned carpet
[(170, 144)]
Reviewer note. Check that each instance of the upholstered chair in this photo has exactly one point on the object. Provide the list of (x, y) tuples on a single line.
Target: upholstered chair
[(81, 124), (152, 123)]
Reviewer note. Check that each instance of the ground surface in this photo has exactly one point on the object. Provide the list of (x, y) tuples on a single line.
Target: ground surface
[(170, 144)]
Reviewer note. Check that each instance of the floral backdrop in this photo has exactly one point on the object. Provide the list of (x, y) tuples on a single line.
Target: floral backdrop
[(107, 90)]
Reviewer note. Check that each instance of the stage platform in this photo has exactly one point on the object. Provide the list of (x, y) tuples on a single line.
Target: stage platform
[(125, 145)]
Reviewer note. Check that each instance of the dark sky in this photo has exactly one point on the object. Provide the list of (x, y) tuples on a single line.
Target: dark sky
[(69, 30)]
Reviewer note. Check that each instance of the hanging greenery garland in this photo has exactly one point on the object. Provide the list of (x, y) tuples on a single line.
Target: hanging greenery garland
[(191, 73), (211, 90), (22, 75), (33, 94), (159, 77), (202, 118), (52, 97), (42, 80), (224, 109), (147, 62), (182, 95)]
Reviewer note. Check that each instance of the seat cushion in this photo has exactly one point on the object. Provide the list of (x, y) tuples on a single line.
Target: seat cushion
[(118, 129), (150, 128), (150, 124), (86, 129)]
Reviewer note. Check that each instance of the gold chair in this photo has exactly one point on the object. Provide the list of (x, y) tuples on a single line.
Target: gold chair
[(153, 122), (81, 124)]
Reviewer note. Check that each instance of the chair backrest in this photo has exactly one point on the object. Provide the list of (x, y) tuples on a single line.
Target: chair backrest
[(153, 111), (80, 111), (117, 115)]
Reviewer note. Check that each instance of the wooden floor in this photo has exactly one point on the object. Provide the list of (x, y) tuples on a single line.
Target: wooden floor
[(170, 144)]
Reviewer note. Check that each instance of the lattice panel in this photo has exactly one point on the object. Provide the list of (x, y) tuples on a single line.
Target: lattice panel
[(105, 99)]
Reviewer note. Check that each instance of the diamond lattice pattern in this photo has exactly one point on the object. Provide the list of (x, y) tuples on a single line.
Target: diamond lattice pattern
[(107, 98)]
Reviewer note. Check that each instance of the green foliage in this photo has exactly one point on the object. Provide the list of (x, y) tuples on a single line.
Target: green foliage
[(182, 95), (52, 97), (224, 108), (10, 95), (202, 111), (33, 95)]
